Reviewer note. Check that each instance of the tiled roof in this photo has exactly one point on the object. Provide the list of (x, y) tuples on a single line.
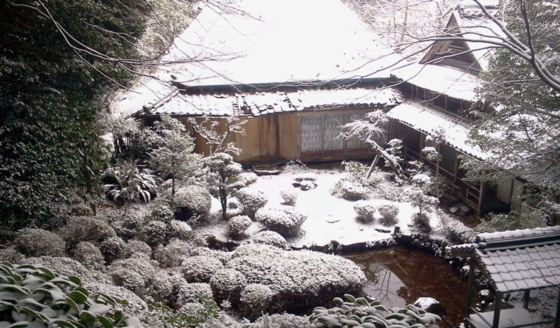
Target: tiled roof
[(264, 103), (431, 121), (519, 259)]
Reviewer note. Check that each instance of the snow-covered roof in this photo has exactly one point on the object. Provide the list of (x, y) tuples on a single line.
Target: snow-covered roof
[(519, 259), (433, 121), (440, 79), (252, 42), (263, 103)]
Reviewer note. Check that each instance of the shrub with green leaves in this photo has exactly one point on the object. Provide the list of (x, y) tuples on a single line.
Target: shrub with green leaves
[(370, 313), (36, 297), (39, 242)]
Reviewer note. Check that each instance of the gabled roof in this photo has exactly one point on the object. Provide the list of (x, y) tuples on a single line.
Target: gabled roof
[(472, 26), (519, 259), (266, 42)]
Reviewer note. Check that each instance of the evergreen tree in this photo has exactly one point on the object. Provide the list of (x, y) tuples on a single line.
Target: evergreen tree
[(522, 135)]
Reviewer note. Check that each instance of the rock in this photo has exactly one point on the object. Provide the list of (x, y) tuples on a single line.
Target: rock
[(430, 304)]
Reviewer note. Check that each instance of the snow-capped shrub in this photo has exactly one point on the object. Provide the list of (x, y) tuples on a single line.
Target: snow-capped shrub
[(85, 228), (113, 248), (192, 293), (66, 266), (289, 197), (172, 254), (134, 305), (153, 233), (283, 320), (80, 210), (39, 242), (197, 314), (161, 212), (368, 312), (237, 225), (234, 207), (365, 211), (133, 274), (284, 220), (421, 222), (200, 268), (128, 226), (37, 297), (138, 249), (130, 280), (89, 255), (297, 278), (224, 257), (178, 230), (270, 238), (10, 254), (456, 232), (255, 299), (349, 190), (246, 178), (251, 200), (192, 202), (227, 284), (161, 288), (388, 214)]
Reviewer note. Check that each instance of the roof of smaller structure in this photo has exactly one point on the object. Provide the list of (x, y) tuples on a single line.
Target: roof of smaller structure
[(264, 103), (518, 259), (433, 121)]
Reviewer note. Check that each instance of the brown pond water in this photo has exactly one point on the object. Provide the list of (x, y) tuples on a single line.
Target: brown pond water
[(398, 276)]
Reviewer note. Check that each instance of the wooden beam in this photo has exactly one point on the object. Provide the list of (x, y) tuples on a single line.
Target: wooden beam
[(497, 309)]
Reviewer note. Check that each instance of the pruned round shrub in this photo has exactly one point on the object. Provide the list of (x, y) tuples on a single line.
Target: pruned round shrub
[(245, 179), (349, 190), (270, 238), (388, 215), (142, 267), (285, 220), (161, 288), (10, 254), (251, 200), (192, 293), (227, 284), (66, 266), (138, 249), (297, 278), (200, 268), (365, 212), (128, 226), (113, 248), (39, 242), (85, 228), (178, 230), (89, 255), (80, 210), (161, 212), (40, 298), (153, 233), (172, 254), (130, 280), (192, 202), (237, 225), (289, 197), (224, 257), (255, 299)]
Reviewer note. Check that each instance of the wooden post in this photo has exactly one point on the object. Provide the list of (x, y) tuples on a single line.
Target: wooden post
[(497, 309), (557, 320), (470, 288), (526, 298), (480, 197)]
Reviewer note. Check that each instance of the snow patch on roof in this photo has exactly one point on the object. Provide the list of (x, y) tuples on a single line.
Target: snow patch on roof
[(444, 80), (431, 121)]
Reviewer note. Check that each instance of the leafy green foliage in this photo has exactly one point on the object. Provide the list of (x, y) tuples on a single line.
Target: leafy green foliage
[(34, 296), (57, 59), (521, 136), (369, 313), (125, 182)]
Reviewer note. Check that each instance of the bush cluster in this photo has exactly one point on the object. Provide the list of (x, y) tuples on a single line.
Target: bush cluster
[(193, 204), (200, 268), (365, 211), (251, 201), (284, 220), (39, 242), (270, 238), (237, 225), (388, 215)]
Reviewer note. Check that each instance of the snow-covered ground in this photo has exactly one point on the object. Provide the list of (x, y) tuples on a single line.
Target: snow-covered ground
[(328, 218)]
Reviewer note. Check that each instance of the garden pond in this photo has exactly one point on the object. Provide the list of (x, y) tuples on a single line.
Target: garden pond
[(398, 276)]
